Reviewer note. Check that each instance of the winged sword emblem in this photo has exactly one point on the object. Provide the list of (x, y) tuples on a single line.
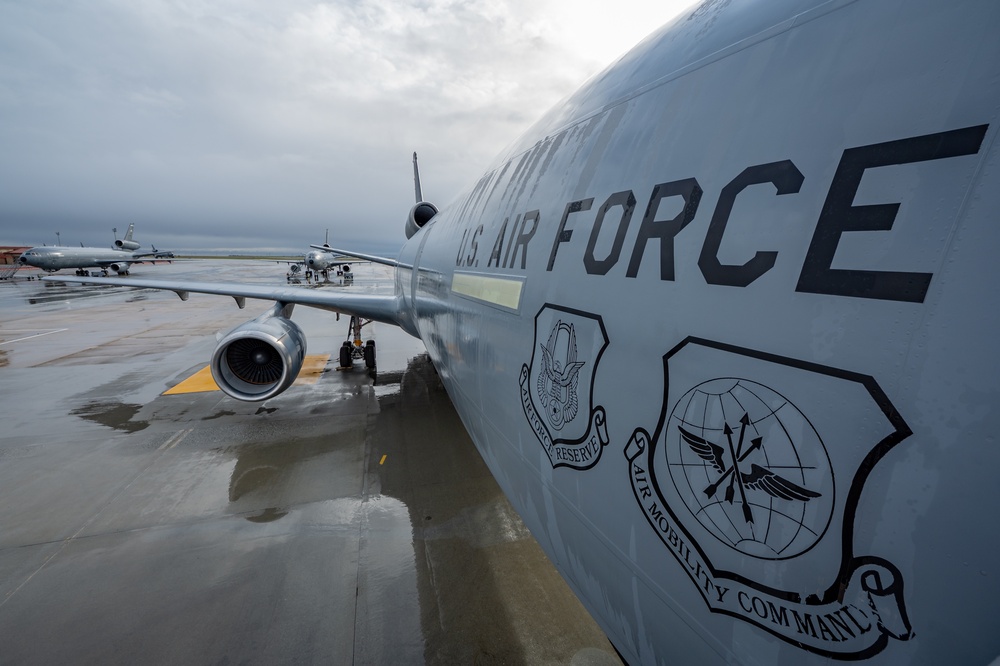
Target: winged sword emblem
[(757, 479)]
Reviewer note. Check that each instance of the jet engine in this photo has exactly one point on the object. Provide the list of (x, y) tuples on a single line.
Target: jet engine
[(420, 214), (120, 267), (346, 268), (261, 358), (126, 244)]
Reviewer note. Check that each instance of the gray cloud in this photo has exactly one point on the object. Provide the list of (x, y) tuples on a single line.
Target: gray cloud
[(259, 124)]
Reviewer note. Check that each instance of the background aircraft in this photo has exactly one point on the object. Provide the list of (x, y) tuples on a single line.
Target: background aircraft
[(117, 259), (321, 259), (722, 326), (126, 243)]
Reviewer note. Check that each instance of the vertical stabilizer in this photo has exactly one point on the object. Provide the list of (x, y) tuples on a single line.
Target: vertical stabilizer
[(416, 180), (126, 243)]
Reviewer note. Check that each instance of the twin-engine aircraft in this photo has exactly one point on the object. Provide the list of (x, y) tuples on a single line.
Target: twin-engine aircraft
[(118, 259), (723, 326)]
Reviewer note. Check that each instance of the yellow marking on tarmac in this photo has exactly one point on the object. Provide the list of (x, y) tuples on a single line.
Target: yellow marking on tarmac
[(312, 368), (199, 382), (384, 456), (202, 381)]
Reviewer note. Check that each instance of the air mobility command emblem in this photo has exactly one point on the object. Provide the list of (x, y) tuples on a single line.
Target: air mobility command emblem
[(752, 480), (557, 386)]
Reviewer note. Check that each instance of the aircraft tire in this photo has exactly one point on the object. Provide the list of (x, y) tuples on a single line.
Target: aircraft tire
[(345, 356), (370, 354)]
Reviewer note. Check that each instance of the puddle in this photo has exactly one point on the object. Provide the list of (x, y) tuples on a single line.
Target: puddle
[(268, 515), (113, 415), (218, 415), (388, 378)]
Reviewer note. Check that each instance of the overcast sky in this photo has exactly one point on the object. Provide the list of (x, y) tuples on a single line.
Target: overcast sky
[(258, 124)]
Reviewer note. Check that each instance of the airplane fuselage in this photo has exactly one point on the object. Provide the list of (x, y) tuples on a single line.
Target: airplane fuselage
[(54, 258), (722, 327), (738, 292)]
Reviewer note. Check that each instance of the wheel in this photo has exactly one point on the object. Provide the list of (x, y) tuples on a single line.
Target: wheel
[(370, 354), (345, 356)]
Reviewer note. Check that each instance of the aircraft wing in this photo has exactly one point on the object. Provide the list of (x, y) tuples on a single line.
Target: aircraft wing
[(158, 254), (382, 308), (359, 255)]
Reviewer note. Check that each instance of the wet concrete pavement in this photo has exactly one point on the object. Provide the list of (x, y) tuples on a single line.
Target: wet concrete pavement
[(346, 521)]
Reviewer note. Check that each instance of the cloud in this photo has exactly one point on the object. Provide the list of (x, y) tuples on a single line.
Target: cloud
[(252, 119)]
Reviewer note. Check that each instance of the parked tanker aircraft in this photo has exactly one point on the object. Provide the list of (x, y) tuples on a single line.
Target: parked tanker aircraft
[(321, 259), (118, 259), (722, 325)]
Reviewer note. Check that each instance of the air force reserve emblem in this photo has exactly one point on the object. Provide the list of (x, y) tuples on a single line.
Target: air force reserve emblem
[(754, 489), (567, 348)]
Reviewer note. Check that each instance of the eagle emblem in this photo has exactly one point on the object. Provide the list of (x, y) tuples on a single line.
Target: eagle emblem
[(557, 386), (558, 379)]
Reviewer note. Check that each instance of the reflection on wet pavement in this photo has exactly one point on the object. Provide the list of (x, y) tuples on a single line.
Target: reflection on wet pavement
[(114, 415), (346, 521), (483, 581)]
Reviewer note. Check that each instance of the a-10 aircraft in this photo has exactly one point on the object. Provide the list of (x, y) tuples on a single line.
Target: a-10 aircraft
[(119, 259), (723, 327)]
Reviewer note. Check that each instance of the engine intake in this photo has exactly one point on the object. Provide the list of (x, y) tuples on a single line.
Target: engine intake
[(420, 214), (259, 359), (126, 245)]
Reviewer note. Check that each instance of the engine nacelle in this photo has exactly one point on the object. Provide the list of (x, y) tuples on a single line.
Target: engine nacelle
[(126, 245), (259, 359), (346, 268), (420, 215), (120, 267)]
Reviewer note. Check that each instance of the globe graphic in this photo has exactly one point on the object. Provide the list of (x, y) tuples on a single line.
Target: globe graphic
[(781, 501)]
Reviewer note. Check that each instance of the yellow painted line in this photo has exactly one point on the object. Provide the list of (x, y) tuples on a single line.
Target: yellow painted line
[(199, 382), (202, 381), (312, 369), (505, 292), (384, 456)]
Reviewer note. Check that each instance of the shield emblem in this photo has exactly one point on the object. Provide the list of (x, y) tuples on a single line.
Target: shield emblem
[(752, 480), (557, 386)]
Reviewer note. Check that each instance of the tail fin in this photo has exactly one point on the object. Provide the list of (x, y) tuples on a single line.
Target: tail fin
[(416, 180), (422, 211), (126, 243)]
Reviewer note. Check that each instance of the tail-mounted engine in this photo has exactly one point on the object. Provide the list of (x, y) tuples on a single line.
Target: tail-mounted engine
[(126, 244), (422, 211), (420, 214), (261, 358)]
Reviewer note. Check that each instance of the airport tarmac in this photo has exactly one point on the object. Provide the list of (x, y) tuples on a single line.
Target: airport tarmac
[(349, 520)]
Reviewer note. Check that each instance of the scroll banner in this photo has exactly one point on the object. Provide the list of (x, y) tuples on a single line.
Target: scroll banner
[(582, 453), (857, 625)]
